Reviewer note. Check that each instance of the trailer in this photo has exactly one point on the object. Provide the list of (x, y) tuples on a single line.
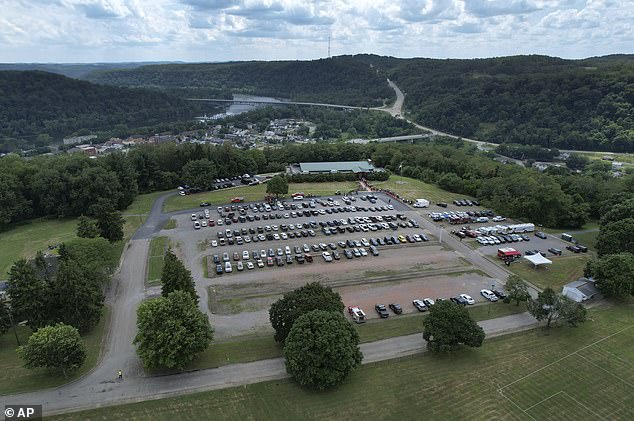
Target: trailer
[(357, 314)]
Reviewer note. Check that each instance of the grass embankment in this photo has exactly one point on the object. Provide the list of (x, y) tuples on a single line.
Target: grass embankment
[(14, 378), (170, 225), (158, 247), (585, 373), (413, 189), (563, 270), (253, 194)]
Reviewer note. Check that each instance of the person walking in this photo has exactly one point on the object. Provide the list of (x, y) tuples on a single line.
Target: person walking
[(120, 374)]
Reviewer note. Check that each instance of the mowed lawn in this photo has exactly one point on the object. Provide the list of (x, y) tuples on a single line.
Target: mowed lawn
[(253, 194), (565, 373), (142, 204), (158, 247), (14, 378), (413, 189), (563, 270)]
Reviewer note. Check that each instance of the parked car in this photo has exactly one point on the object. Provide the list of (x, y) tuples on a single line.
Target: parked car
[(396, 308), (501, 294), (428, 302), (489, 295), (420, 306), (468, 299), (459, 300), (555, 251), (228, 268), (540, 234), (380, 308), (219, 269)]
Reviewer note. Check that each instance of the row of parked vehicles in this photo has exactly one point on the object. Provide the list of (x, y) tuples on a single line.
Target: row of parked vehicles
[(359, 316)]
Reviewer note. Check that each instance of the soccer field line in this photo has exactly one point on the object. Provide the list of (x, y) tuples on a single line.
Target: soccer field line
[(543, 400), (583, 406), (603, 369), (566, 356), (516, 405)]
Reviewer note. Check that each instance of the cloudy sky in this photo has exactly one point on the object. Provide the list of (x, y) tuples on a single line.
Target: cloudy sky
[(220, 30)]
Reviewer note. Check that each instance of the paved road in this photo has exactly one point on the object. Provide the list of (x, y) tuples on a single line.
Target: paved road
[(97, 389)]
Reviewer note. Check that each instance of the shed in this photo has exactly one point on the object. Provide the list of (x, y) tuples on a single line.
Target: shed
[(580, 290)]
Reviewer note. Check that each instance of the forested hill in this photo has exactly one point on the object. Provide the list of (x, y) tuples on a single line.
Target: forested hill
[(537, 100), (33, 103), (340, 80)]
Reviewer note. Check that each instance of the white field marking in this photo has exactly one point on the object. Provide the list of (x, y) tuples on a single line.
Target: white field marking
[(564, 357), (516, 405), (611, 374), (583, 406), (544, 400)]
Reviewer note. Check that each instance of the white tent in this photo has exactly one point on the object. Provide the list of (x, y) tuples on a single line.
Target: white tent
[(538, 259)]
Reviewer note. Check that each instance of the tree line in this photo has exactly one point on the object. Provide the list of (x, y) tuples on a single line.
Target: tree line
[(71, 185), (38, 108), (340, 80)]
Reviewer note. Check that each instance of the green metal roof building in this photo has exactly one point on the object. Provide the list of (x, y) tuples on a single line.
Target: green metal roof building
[(355, 167)]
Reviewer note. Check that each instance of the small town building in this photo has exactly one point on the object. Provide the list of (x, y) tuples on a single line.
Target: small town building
[(580, 290), (343, 167)]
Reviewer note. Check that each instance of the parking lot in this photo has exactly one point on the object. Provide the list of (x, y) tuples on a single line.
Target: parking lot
[(402, 271)]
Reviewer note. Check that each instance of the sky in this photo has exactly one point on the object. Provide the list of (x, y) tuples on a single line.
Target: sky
[(220, 30)]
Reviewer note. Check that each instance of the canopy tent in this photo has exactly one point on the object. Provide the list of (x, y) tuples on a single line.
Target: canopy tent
[(538, 259)]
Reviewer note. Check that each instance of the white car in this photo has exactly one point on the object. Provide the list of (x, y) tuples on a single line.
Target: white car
[(214, 243), (287, 250), (489, 295), (327, 257), (468, 299), (363, 251), (194, 217), (365, 242), (203, 223), (196, 225), (240, 266), (250, 265), (260, 263), (245, 255), (228, 268), (390, 207), (220, 222), (263, 254), (428, 302)]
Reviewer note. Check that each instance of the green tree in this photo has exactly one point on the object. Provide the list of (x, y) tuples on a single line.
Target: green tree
[(616, 237), (200, 173), (5, 315), (176, 277), (312, 296), (58, 346), (172, 331), (322, 348), (86, 227), (30, 296), (516, 289), (77, 295), (618, 211), (277, 185), (109, 221), (577, 162), (448, 326), (614, 274), (554, 307)]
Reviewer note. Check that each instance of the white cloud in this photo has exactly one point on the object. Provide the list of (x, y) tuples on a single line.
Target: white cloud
[(200, 30)]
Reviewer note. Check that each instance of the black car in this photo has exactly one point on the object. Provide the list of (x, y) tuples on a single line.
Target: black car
[(441, 204), (573, 249), (499, 293), (219, 269), (380, 308), (459, 300), (396, 308)]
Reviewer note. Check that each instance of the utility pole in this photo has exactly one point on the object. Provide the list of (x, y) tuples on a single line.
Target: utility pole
[(329, 36)]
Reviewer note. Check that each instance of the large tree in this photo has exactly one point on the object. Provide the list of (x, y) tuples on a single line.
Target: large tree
[(448, 326), (277, 185), (614, 274), (622, 209), (516, 289), (292, 305), (109, 221), (77, 295), (554, 307), (86, 227), (616, 237), (322, 348), (5, 315), (176, 277), (30, 295), (58, 346), (172, 331)]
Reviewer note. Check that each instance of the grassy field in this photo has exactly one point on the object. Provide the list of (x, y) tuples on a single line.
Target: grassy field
[(413, 189), (253, 194), (564, 373), (142, 204), (170, 225), (14, 378), (26, 239), (563, 270), (158, 246)]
